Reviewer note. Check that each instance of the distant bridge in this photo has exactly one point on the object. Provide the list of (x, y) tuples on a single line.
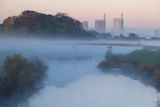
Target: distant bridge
[(150, 47)]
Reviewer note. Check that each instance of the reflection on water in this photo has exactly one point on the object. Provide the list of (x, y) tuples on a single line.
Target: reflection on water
[(98, 91), (74, 80)]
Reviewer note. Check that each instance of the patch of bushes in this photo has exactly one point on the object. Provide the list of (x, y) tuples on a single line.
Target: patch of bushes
[(144, 63), (20, 79)]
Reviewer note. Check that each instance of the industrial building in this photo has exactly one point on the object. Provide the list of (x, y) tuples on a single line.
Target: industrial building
[(122, 24), (118, 26), (85, 25), (100, 25)]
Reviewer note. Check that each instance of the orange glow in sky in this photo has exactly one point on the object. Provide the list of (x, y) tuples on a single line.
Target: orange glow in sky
[(137, 13)]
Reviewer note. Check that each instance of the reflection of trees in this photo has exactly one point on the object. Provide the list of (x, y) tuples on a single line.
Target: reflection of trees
[(20, 79)]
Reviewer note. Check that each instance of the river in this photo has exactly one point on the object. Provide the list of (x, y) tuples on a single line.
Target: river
[(73, 79)]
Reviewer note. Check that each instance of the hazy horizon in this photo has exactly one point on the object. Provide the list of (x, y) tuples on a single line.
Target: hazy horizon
[(137, 14)]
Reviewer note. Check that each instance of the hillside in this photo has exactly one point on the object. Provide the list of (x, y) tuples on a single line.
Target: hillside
[(34, 23)]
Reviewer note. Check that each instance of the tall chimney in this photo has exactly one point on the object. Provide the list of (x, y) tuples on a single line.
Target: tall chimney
[(104, 17), (121, 15), (122, 24)]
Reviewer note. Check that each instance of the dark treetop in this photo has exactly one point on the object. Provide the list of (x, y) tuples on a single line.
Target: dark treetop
[(34, 23)]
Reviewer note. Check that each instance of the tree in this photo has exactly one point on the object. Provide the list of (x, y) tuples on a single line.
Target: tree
[(133, 36), (1, 28), (8, 24), (34, 23), (59, 15), (106, 35), (20, 78)]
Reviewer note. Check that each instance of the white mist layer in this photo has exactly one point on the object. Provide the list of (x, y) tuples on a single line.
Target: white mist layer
[(98, 91), (74, 79)]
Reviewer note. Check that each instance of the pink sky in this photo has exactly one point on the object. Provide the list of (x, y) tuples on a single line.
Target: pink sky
[(137, 13)]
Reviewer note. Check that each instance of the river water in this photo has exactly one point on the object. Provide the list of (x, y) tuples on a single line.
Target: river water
[(73, 79)]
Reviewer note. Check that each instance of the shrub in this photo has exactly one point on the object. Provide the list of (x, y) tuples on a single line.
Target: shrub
[(20, 79)]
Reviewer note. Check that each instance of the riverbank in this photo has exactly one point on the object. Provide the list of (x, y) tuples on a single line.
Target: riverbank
[(143, 65)]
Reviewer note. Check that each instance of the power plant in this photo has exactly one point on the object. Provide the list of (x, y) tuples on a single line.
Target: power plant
[(118, 26), (122, 24), (100, 25)]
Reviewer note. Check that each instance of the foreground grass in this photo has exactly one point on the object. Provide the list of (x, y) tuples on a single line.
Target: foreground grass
[(144, 56)]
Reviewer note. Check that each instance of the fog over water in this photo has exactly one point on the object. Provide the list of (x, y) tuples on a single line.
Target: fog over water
[(98, 91), (74, 79)]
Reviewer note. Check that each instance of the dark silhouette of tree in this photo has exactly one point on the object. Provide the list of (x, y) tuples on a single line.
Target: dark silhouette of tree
[(1, 28), (20, 79), (133, 36), (60, 25)]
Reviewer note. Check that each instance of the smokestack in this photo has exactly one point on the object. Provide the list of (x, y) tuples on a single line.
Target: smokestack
[(104, 22), (122, 24), (104, 17), (121, 15)]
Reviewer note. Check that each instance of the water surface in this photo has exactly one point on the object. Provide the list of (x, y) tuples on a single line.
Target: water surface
[(73, 79)]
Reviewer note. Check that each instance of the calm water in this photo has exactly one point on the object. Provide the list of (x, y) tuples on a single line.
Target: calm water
[(74, 79)]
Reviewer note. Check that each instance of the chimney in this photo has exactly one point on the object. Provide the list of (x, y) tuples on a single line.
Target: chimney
[(121, 15), (104, 17)]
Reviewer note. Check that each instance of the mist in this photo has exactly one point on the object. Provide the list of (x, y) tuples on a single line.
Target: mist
[(73, 78), (99, 90)]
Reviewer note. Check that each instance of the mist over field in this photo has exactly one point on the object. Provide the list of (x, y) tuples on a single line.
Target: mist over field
[(73, 78)]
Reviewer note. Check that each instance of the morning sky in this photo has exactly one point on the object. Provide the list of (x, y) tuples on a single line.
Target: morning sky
[(137, 13)]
